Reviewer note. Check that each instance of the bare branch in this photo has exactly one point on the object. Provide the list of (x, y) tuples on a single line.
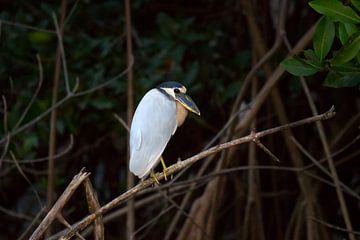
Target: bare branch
[(41, 78), (59, 204), (21, 25), (186, 163), (334, 226), (5, 131), (59, 34), (61, 219), (266, 150), (93, 205), (123, 123), (71, 12), (5, 118), (26, 179), (38, 160)]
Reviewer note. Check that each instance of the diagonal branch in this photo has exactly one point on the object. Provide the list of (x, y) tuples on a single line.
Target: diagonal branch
[(186, 163), (60, 203)]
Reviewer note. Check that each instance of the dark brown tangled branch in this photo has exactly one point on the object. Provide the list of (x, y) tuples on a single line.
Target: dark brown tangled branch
[(78, 179)]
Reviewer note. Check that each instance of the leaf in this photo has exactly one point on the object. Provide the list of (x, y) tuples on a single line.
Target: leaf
[(39, 37), (347, 68), (356, 4), (102, 103), (312, 59), (348, 52), (168, 26), (336, 79), (323, 37), (30, 142), (298, 67), (310, 55), (335, 9), (345, 31)]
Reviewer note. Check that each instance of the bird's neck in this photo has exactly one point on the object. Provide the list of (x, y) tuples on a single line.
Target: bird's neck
[(181, 113)]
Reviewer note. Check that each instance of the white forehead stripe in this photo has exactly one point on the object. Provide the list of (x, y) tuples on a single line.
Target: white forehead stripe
[(170, 91), (183, 89)]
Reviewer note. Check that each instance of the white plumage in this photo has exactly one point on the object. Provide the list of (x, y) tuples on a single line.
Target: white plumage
[(154, 121)]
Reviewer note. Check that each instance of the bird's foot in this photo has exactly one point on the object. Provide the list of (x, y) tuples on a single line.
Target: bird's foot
[(153, 176), (165, 169)]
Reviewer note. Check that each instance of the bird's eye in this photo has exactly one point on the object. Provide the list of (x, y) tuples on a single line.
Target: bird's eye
[(176, 90)]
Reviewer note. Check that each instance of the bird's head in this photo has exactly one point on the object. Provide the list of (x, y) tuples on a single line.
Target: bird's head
[(177, 92)]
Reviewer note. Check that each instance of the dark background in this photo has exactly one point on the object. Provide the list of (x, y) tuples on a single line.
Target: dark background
[(205, 45)]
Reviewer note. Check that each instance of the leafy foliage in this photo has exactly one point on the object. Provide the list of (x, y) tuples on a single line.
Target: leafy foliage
[(342, 66)]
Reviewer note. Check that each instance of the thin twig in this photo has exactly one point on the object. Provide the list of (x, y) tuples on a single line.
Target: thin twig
[(59, 33), (15, 214), (130, 220), (334, 154), (21, 25), (266, 150), (41, 78), (52, 134), (151, 222), (5, 117), (7, 143), (123, 123), (63, 221), (39, 160), (71, 12), (329, 225), (184, 213), (26, 179), (322, 168)]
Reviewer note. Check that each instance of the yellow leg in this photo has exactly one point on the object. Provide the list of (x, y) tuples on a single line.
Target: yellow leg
[(164, 167), (152, 174)]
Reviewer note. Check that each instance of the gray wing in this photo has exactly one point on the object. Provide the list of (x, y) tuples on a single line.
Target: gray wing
[(153, 124)]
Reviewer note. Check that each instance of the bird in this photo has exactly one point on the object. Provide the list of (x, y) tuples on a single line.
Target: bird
[(159, 113)]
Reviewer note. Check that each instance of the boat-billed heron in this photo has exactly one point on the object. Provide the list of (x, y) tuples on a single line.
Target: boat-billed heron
[(160, 112)]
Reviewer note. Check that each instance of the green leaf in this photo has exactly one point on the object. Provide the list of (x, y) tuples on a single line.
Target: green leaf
[(102, 103), (310, 55), (30, 142), (298, 67), (346, 68), (336, 79), (312, 59), (323, 37), (335, 9), (356, 4), (39, 37), (348, 52), (345, 31)]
